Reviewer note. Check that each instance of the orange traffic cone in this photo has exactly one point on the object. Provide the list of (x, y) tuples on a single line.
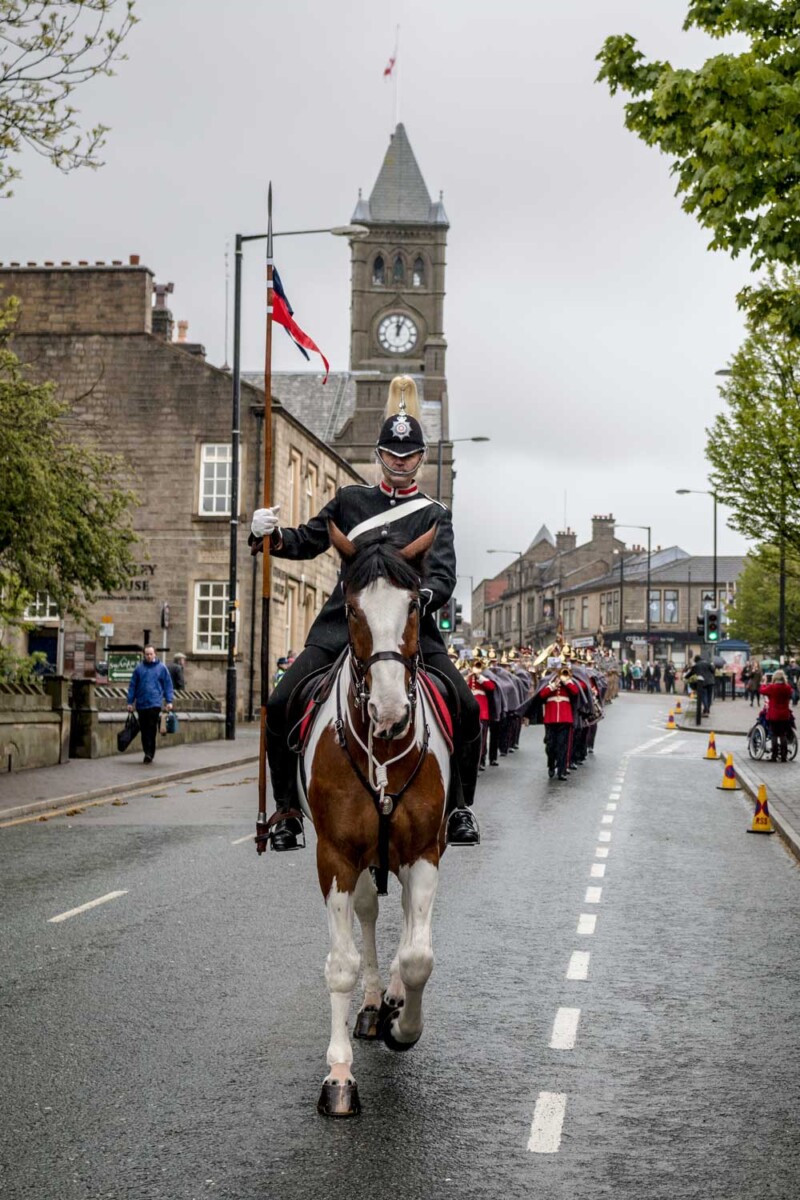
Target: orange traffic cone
[(711, 751), (761, 818), (678, 709), (729, 781), (671, 721)]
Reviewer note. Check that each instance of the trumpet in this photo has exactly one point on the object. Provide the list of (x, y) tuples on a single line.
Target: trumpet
[(565, 673)]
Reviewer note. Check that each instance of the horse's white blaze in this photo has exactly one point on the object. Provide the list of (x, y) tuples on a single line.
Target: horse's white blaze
[(386, 611), (341, 972)]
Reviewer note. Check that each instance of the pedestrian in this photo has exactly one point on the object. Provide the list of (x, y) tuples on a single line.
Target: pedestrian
[(636, 675), (793, 679), (657, 677), (149, 688), (177, 673), (669, 677), (754, 681), (779, 714), (702, 675)]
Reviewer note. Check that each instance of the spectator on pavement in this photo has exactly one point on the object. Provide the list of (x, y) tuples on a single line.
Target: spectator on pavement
[(176, 672), (754, 681), (669, 677), (779, 714), (150, 686), (793, 679)]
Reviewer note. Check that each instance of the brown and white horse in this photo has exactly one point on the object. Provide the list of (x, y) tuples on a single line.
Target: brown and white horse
[(377, 770)]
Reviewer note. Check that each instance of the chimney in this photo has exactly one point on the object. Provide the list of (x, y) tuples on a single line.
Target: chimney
[(566, 539), (162, 317), (603, 530), (195, 348)]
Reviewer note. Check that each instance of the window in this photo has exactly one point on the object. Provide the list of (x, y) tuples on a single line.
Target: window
[(42, 608), (330, 488), (215, 480), (210, 617), (398, 270), (670, 606), (529, 611), (584, 612), (418, 278), (310, 497), (568, 614), (290, 616), (295, 468), (655, 605), (309, 610), (378, 272)]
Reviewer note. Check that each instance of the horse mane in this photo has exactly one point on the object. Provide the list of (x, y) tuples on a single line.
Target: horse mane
[(377, 557)]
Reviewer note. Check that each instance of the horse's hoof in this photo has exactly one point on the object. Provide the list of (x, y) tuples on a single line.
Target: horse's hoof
[(339, 1099), (367, 1024), (388, 1012), (389, 1040)]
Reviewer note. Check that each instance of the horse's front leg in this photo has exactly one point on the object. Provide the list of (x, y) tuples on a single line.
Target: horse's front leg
[(339, 1097), (415, 956), (365, 901)]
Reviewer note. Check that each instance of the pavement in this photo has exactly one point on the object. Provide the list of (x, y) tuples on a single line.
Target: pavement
[(782, 780), (87, 780)]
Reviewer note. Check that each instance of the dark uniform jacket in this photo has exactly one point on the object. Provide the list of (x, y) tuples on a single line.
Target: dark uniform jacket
[(350, 507)]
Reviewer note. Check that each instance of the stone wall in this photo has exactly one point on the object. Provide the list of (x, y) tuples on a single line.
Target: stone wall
[(34, 725), (100, 712)]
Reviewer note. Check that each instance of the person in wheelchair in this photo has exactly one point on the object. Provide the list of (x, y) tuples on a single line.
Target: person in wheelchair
[(779, 695), (397, 506)]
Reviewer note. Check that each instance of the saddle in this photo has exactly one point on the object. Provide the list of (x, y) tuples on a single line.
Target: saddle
[(306, 700)]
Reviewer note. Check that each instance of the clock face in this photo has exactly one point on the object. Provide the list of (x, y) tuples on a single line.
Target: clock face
[(397, 333)]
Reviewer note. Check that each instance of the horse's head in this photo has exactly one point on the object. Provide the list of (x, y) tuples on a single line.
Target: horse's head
[(381, 591)]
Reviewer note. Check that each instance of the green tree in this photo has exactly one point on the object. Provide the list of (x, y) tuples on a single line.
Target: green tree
[(732, 129), (754, 616), (754, 445), (47, 49), (65, 526)]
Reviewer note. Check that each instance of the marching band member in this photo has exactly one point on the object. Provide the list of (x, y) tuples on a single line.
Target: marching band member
[(559, 696), (481, 686)]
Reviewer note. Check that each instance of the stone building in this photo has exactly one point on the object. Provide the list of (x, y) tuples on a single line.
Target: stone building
[(396, 326), (95, 330)]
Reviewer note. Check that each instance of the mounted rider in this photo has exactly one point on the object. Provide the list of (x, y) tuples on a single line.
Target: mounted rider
[(397, 506)]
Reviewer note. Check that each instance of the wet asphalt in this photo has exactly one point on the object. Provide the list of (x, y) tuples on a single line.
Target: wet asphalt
[(171, 1043)]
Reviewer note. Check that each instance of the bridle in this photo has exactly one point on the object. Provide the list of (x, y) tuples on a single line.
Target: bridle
[(360, 669)]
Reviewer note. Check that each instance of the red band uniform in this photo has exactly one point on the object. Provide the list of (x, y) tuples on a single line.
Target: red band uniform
[(560, 696)]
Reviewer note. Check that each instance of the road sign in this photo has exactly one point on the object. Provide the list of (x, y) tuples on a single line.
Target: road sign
[(106, 630), (122, 664)]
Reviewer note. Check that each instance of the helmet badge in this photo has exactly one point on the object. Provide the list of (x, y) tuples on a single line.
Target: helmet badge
[(401, 427)]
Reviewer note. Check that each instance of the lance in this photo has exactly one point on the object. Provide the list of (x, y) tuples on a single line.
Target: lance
[(266, 577)]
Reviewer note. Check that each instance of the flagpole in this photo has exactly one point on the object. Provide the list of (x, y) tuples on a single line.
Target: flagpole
[(261, 822), (396, 78)]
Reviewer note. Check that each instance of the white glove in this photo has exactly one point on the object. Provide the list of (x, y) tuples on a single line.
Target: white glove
[(265, 521)]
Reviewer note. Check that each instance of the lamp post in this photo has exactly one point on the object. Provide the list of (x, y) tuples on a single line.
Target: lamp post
[(518, 554), (621, 525), (351, 231), (449, 442), (706, 492)]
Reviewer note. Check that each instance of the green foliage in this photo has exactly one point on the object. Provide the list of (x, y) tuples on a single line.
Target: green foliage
[(754, 446), (732, 129), (64, 524), (50, 47), (754, 616), (20, 668)]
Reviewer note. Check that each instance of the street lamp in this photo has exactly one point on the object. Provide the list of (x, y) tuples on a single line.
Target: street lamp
[(518, 554), (449, 442), (351, 231), (620, 525), (706, 492)]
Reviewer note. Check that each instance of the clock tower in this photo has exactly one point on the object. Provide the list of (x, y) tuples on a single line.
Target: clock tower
[(397, 311)]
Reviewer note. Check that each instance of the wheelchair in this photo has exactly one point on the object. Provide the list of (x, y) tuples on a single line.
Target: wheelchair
[(759, 739)]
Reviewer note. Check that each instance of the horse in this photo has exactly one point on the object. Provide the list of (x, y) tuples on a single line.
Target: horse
[(374, 776)]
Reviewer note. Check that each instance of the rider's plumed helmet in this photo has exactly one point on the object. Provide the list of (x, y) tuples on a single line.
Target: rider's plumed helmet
[(402, 433)]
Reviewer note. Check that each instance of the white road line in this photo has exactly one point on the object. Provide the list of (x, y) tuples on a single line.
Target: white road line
[(548, 1119), (598, 870), (611, 808), (653, 742), (248, 837), (671, 749), (565, 1029), (73, 912), (578, 965), (586, 924), (604, 835), (607, 819), (593, 895), (601, 852)]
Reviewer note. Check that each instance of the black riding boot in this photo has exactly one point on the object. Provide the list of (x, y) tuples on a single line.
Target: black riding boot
[(462, 826), (282, 771)]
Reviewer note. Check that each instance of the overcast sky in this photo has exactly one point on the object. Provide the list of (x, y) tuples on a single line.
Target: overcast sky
[(584, 316)]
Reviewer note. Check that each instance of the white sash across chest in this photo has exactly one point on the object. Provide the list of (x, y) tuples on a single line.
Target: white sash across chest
[(387, 518)]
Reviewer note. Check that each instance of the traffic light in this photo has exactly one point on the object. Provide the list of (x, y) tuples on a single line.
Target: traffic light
[(446, 617), (459, 615), (712, 624), (701, 627)]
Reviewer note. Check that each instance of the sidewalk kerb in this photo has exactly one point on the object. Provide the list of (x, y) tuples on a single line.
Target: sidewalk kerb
[(784, 827), (125, 789)]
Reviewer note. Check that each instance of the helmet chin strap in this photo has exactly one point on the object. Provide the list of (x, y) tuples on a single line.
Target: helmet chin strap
[(396, 476)]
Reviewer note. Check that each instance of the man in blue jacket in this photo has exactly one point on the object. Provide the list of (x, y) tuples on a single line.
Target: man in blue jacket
[(150, 685)]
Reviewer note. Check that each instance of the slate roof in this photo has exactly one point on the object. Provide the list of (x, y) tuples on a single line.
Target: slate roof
[(544, 535), (671, 565), (399, 195)]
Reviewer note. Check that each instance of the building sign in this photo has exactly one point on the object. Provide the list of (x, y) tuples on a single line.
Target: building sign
[(635, 639), (122, 664), (583, 643)]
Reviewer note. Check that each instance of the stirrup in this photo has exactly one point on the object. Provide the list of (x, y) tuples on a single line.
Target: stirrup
[(286, 814)]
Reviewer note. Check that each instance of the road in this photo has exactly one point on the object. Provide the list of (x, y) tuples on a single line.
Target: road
[(613, 1010)]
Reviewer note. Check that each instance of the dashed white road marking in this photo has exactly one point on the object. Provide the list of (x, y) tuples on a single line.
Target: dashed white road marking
[(248, 837), (578, 965), (604, 835), (73, 912), (593, 895), (611, 807), (586, 924), (598, 870), (548, 1119), (601, 852), (565, 1029), (607, 819), (671, 749), (653, 742)]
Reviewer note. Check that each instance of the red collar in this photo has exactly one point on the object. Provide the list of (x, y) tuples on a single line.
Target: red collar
[(398, 493)]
